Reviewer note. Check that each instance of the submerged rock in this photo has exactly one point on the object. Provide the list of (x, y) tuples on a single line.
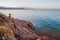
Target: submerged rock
[(14, 29)]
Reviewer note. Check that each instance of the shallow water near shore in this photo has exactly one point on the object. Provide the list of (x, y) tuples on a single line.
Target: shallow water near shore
[(41, 19)]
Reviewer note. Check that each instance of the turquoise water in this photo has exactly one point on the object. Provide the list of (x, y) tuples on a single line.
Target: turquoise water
[(42, 19)]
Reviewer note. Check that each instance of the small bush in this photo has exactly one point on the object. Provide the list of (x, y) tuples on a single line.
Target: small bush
[(1, 15)]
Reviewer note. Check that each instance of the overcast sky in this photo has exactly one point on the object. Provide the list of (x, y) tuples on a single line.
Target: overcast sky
[(31, 3)]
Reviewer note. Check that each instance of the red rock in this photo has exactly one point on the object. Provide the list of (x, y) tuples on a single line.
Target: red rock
[(45, 38), (22, 30)]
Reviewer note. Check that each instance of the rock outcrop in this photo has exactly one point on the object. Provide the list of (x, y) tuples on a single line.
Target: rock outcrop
[(14, 29), (52, 34)]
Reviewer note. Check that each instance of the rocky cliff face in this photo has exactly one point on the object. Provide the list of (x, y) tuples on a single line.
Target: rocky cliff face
[(14, 29)]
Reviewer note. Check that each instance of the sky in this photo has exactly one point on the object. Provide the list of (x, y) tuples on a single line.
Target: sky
[(50, 4)]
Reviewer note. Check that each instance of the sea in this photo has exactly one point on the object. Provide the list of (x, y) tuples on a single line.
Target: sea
[(48, 19)]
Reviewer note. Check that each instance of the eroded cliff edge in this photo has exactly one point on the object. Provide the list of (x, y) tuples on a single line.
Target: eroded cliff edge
[(14, 29)]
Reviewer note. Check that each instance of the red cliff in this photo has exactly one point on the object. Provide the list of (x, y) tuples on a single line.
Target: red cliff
[(14, 29)]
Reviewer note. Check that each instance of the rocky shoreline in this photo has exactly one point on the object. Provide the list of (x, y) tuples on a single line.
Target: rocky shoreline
[(52, 34), (15, 29)]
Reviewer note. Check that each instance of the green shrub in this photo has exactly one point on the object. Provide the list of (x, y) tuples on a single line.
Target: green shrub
[(2, 14)]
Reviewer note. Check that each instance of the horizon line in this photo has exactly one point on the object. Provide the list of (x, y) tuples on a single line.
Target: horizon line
[(30, 7)]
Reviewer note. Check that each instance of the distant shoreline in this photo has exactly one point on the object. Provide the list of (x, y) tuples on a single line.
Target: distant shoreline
[(24, 9)]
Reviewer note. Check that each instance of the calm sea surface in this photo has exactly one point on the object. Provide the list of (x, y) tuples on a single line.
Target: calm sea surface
[(42, 19)]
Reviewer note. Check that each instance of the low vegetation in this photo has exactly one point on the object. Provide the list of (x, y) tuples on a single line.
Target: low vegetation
[(2, 14)]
